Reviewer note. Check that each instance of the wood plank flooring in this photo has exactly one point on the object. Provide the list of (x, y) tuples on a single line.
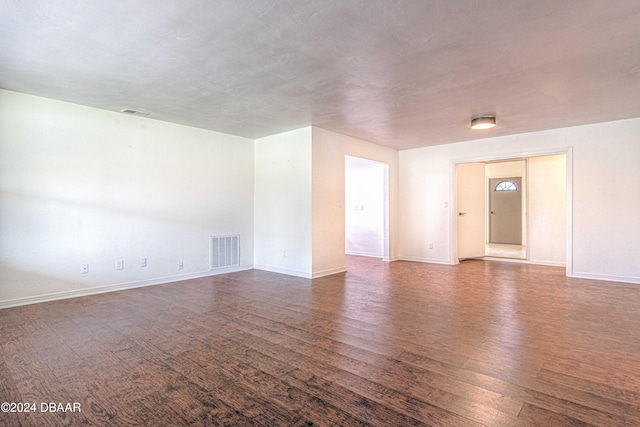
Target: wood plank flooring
[(388, 344)]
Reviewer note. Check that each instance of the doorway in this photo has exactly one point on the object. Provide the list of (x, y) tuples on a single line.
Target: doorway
[(533, 226), (366, 208)]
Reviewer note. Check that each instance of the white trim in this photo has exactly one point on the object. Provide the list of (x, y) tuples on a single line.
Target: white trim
[(452, 224), (115, 287), (549, 263), (607, 277), (527, 201), (329, 272), (569, 225), (302, 274), (295, 273), (386, 248), (514, 156), (524, 261), (422, 259), (367, 254)]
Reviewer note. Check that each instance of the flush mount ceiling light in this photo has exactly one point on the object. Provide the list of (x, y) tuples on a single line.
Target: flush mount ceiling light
[(484, 122)]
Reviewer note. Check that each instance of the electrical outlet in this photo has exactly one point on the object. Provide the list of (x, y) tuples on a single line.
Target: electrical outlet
[(119, 264), (430, 245), (84, 268), (143, 262), (180, 265)]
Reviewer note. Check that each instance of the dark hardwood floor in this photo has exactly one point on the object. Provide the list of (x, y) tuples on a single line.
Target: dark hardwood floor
[(399, 344)]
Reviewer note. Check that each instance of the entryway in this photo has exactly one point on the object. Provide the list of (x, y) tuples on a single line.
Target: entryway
[(513, 209)]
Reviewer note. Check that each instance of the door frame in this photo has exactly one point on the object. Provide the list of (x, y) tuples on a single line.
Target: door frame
[(453, 190)]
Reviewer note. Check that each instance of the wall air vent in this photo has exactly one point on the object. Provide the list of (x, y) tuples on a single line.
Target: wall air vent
[(225, 251), (133, 112)]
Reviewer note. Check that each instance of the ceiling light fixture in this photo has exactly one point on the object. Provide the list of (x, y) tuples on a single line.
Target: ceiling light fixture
[(484, 122)]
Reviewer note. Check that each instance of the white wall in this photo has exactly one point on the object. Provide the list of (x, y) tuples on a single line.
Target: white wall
[(80, 185), (283, 203), (364, 207), (606, 202), (329, 151), (425, 205), (547, 202), (85, 186)]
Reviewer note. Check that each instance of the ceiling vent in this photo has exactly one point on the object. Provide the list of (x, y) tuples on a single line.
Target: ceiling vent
[(133, 112)]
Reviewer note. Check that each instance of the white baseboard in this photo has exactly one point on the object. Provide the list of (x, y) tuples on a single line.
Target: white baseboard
[(329, 272), (279, 270), (525, 261), (367, 254), (421, 259), (300, 273), (549, 263), (606, 277), (372, 255), (116, 287)]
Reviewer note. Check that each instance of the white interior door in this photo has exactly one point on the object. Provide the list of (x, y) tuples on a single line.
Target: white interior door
[(471, 210)]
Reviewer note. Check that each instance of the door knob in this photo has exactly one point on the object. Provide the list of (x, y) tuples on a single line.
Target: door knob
[(462, 213), (493, 213)]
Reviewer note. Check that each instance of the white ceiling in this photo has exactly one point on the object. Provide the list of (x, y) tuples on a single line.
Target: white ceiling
[(401, 73)]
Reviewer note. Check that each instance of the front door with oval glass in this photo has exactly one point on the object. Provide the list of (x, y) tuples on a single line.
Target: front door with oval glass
[(505, 210)]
